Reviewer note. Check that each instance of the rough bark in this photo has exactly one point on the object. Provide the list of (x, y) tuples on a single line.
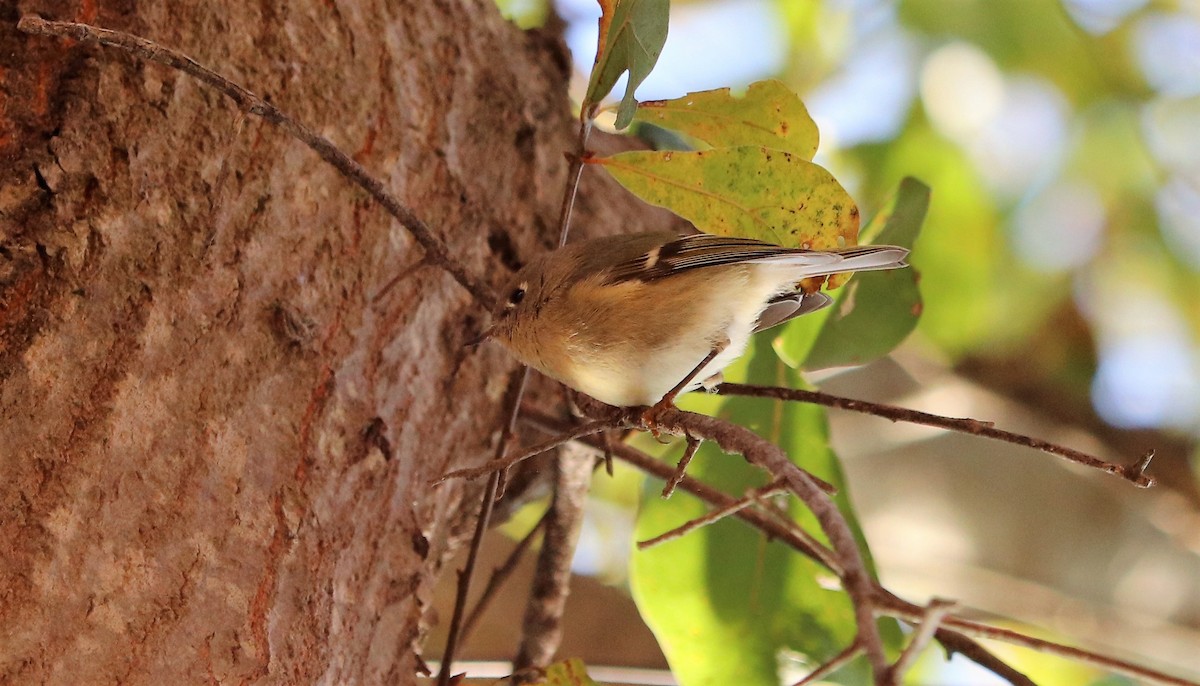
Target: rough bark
[(215, 441)]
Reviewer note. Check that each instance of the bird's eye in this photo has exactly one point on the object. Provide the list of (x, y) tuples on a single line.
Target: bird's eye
[(516, 297)]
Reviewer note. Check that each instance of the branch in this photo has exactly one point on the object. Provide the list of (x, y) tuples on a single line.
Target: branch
[(954, 633), (834, 664), (955, 642), (693, 444), (935, 612), (541, 631), (752, 497), (760, 452), (436, 252), (516, 390), (500, 464), (787, 531), (892, 605), (573, 175), (499, 576), (1134, 473)]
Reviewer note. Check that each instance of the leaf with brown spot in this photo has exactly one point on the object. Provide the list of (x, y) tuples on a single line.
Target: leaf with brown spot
[(769, 114), (748, 191), (878, 310)]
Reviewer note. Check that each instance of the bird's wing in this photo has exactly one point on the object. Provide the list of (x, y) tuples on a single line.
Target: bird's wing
[(706, 250)]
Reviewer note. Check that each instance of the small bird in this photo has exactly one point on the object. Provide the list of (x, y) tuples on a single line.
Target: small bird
[(636, 319)]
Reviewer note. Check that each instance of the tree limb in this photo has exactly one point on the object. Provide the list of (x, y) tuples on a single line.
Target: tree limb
[(436, 252), (1134, 472)]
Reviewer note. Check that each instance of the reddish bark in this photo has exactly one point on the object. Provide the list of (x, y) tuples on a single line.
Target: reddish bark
[(216, 443)]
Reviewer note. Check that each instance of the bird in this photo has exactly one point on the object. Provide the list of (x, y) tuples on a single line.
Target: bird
[(636, 319)]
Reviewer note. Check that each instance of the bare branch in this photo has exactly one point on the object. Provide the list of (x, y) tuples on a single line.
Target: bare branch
[(500, 464), (541, 631), (954, 633), (1134, 473), (499, 576), (892, 605), (856, 580), (693, 444), (834, 664), (752, 497), (955, 642), (758, 451), (516, 390), (787, 531), (436, 252), (573, 175), (935, 612)]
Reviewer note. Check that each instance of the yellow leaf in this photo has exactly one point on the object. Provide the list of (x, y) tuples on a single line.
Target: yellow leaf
[(748, 191), (769, 115)]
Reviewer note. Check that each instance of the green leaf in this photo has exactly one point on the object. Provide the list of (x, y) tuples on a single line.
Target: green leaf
[(963, 250), (768, 115), (748, 191), (632, 34), (877, 310), (725, 602), (567, 673)]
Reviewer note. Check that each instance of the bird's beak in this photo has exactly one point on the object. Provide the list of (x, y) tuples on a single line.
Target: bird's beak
[(483, 336)]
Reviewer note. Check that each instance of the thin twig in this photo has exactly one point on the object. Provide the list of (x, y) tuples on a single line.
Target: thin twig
[(954, 634), (935, 612), (573, 175), (500, 464), (1134, 473), (436, 252), (693, 444), (752, 497), (788, 531), (834, 664), (890, 604), (608, 458), (734, 439), (954, 642), (499, 576), (516, 390), (856, 580)]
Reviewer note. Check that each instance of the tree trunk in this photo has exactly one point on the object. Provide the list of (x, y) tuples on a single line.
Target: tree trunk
[(217, 427)]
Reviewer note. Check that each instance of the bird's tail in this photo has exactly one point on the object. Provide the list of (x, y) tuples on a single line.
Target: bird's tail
[(865, 258), (862, 258)]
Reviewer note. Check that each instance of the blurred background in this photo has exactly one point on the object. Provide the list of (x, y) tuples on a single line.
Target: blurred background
[(1060, 267)]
